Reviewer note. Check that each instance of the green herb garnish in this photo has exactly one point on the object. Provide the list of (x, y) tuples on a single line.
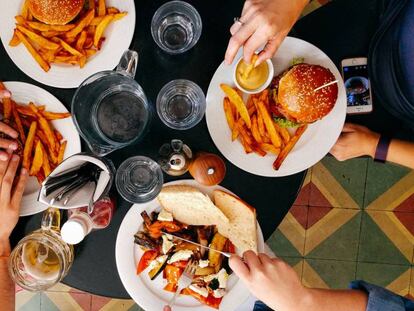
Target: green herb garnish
[(298, 60), (285, 123)]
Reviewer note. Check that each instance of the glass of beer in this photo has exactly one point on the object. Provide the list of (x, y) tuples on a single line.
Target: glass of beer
[(41, 259)]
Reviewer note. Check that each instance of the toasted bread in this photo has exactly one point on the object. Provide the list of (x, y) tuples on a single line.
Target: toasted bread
[(190, 206), (242, 226)]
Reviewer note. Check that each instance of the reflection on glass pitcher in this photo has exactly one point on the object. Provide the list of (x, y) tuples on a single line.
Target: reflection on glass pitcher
[(41, 259), (110, 109)]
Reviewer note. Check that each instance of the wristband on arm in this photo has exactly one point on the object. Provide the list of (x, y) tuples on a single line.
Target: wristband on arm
[(382, 149)]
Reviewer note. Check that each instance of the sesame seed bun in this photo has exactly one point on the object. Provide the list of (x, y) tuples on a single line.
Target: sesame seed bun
[(296, 97), (55, 12)]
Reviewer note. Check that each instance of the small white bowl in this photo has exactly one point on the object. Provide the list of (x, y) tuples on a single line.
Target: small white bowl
[(260, 89)]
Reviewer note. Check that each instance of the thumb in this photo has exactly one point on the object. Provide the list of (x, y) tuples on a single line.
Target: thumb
[(239, 267), (5, 94)]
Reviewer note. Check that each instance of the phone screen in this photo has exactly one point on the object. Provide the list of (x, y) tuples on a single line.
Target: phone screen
[(357, 85)]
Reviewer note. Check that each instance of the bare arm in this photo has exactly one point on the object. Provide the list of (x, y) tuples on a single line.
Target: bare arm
[(275, 283), (357, 140), (401, 152), (7, 290)]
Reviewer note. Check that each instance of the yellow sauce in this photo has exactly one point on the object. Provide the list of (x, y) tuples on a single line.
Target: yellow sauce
[(255, 79)]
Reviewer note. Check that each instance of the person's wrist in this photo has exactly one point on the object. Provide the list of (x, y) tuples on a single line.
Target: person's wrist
[(371, 144), (4, 247), (306, 299)]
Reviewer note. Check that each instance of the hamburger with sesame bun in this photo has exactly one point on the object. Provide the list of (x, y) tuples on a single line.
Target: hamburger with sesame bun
[(55, 12), (296, 97)]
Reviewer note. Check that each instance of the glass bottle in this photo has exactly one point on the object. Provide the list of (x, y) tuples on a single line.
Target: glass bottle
[(80, 223)]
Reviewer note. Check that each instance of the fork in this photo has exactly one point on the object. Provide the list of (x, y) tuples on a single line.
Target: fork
[(185, 279)]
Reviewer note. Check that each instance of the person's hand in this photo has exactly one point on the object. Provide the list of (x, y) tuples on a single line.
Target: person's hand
[(270, 279), (355, 141), (262, 22), (166, 308), (4, 94), (10, 197)]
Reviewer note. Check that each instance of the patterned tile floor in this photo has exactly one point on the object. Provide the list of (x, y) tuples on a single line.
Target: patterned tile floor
[(352, 220)]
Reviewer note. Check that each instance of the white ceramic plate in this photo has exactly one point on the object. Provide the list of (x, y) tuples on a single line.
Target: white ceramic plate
[(118, 38), (25, 93), (315, 142), (150, 294)]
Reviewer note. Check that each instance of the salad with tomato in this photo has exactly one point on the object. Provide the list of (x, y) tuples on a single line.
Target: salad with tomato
[(166, 257)]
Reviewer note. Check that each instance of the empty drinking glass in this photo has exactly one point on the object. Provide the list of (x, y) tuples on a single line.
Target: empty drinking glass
[(181, 104), (139, 179), (176, 27)]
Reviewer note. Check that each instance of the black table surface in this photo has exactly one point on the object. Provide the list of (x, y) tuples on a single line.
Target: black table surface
[(94, 269)]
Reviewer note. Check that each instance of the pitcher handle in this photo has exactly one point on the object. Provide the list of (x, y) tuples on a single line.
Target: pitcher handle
[(51, 219), (128, 63)]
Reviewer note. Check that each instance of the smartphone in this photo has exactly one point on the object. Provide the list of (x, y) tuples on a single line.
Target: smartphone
[(357, 85)]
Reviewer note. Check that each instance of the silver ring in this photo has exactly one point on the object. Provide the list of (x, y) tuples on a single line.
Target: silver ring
[(237, 20)]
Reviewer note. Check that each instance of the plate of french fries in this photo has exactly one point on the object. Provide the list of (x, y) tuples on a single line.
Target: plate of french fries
[(65, 55), (246, 132), (47, 135)]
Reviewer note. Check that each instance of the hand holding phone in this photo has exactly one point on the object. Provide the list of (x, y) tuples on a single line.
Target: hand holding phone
[(357, 84)]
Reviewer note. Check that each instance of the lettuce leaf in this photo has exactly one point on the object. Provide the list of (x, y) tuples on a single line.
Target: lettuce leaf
[(285, 123)]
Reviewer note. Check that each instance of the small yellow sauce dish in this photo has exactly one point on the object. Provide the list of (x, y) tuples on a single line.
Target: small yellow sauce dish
[(252, 81)]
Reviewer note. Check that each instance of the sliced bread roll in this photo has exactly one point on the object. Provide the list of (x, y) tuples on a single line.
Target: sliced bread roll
[(190, 206), (242, 226)]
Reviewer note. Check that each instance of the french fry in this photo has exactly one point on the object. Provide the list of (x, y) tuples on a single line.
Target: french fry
[(45, 65), (14, 41), (40, 177), (51, 33), (112, 10), (235, 133), (81, 40), (255, 130), (58, 135), (91, 4), (7, 109), (37, 160), (90, 52), (101, 28), (256, 148), (67, 60), (270, 148), (84, 22), (50, 116), (25, 9), (29, 16), (45, 164), (118, 16), (268, 122), (252, 111), (261, 126), (28, 146), (68, 48), (46, 27), (96, 20), (101, 8), (44, 125), (228, 112), (249, 67), (238, 102), (284, 133), (245, 134), (289, 146), (246, 146), (44, 43), (82, 61), (18, 122), (250, 101), (62, 151), (20, 20)]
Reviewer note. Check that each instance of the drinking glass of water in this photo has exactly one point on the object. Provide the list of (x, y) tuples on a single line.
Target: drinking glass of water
[(181, 104), (139, 179), (176, 27), (110, 109)]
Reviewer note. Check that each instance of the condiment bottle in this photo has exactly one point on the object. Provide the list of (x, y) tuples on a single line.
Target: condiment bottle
[(208, 169), (175, 157), (81, 223)]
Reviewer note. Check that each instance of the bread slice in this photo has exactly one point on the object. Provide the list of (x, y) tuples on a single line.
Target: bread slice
[(190, 206), (242, 226)]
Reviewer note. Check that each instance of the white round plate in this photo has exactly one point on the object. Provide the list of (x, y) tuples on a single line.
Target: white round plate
[(118, 38), (24, 93), (150, 294), (315, 143)]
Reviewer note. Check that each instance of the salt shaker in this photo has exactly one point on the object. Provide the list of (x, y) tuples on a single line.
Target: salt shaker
[(175, 157)]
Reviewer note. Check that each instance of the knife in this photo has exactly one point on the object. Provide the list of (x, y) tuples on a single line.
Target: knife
[(198, 244)]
